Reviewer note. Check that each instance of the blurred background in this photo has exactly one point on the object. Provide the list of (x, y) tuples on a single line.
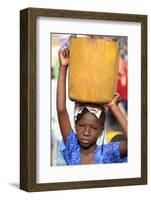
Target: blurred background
[(113, 130)]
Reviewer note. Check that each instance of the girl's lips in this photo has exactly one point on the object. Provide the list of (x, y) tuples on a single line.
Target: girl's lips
[(85, 141)]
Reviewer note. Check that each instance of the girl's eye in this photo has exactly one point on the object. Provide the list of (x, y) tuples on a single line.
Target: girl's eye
[(81, 125), (94, 128)]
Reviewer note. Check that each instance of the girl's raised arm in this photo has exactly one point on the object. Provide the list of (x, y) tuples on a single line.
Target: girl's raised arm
[(63, 117), (113, 107)]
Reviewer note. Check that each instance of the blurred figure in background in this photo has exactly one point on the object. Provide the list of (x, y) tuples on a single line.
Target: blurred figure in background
[(123, 81)]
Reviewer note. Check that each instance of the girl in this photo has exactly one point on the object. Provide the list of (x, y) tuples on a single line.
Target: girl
[(80, 147)]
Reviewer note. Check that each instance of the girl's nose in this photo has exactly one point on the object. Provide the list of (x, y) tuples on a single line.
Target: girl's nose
[(86, 132)]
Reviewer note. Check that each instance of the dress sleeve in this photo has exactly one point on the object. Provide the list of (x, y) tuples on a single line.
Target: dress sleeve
[(112, 154), (69, 148)]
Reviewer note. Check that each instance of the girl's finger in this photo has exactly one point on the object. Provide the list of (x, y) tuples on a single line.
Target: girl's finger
[(118, 99), (116, 94), (67, 52), (64, 53)]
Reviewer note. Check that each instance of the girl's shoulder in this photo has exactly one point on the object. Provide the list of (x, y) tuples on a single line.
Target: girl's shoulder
[(71, 143), (109, 146), (71, 150), (112, 148), (109, 153)]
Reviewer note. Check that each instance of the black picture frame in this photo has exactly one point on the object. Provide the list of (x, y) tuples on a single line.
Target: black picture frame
[(28, 98)]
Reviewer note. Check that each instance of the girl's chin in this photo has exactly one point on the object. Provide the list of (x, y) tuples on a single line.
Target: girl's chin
[(85, 145)]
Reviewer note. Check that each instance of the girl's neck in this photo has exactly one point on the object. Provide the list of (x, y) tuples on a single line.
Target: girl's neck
[(88, 150), (87, 155)]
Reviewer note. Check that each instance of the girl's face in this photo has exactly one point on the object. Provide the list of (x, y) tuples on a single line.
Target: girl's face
[(88, 129)]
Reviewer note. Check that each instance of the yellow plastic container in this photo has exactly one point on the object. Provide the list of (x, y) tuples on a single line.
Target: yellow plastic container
[(93, 69)]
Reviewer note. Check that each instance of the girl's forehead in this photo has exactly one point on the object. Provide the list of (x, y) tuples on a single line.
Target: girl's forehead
[(89, 117)]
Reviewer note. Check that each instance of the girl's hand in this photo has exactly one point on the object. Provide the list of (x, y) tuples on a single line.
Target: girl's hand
[(114, 101), (64, 57)]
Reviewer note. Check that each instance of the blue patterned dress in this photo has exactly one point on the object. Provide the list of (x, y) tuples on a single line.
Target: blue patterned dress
[(106, 153)]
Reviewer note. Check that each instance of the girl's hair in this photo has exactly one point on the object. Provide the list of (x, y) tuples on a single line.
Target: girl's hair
[(85, 110)]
